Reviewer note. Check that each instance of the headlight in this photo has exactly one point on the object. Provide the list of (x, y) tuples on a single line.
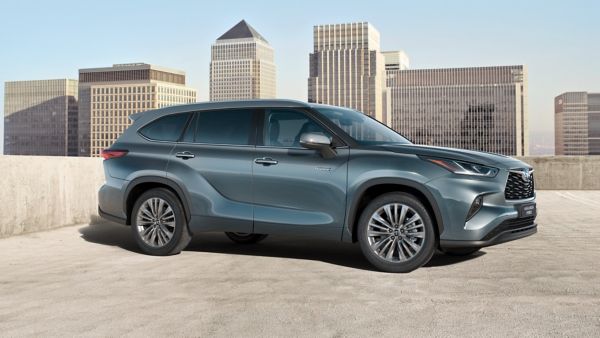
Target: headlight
[(464, 168)]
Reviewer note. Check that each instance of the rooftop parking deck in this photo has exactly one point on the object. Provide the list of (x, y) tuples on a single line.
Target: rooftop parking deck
[(90, 280)]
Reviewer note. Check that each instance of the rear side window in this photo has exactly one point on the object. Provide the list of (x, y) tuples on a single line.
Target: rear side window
[(168, 128), (224, 127)]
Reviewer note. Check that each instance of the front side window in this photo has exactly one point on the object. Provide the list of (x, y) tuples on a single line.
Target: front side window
[(168, 128), (283, 128), (362, 128), (232, 127)]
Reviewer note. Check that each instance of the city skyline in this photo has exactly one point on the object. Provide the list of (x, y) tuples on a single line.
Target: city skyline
[(433, 34)]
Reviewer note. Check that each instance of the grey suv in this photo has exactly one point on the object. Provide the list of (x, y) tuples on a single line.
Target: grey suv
[(253, 168)]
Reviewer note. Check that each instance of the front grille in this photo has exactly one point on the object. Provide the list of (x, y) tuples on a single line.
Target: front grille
[(514, 225), (517, 188)]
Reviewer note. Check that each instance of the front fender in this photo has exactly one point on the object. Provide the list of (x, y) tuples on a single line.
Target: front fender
[(368, 169)]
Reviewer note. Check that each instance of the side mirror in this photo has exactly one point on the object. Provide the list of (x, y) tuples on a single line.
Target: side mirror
[(318, 142)]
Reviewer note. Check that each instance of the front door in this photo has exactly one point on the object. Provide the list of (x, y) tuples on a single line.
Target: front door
[(296, 190)]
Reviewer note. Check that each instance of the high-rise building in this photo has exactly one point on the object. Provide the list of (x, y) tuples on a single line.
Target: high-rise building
[(479, 108), (40, 117), (347, 68), (577, 123), (396, 60), (242, 65), (107, 96)]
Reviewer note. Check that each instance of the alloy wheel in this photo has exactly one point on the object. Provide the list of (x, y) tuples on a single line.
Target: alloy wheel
[(155, 222), (396, 232)]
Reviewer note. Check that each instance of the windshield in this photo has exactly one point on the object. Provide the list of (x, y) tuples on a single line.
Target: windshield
[(362, 128)]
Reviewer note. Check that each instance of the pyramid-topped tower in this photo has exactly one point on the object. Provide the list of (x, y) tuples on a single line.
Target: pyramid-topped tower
[(242, 65)]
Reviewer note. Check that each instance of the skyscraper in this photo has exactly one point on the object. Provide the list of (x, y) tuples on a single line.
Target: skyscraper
[(479, 108), (242, 65), (577, 123), (347, 68), (40, 117), (109, 95)]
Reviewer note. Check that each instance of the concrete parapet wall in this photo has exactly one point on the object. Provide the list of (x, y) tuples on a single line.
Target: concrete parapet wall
[(565, 172), (44, 192)]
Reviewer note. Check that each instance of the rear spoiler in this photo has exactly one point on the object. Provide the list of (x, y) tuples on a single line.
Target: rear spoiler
[(135, 116)]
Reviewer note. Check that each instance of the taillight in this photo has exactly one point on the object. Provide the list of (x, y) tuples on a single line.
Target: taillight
[(112, 153)]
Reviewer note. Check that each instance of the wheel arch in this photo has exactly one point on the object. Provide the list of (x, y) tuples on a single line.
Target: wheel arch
[(371, 189), (142, 184)]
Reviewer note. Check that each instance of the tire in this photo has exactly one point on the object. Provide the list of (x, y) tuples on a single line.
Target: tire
[(174, 222), (244, 238), (460, 251), (374, 236)]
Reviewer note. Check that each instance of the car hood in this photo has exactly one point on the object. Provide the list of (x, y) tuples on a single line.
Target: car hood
[(479, 157)]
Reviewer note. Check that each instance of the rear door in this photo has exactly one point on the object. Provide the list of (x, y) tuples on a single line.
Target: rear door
[(295, 189), (214, 162)]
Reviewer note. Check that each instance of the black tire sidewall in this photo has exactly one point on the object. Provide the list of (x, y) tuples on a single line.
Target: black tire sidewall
[(429, 245), (180, 222)]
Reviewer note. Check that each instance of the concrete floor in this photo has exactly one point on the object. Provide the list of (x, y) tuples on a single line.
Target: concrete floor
[(90, 280)]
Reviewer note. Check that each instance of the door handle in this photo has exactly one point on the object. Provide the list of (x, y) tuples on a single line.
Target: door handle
[(184, 155), (265, 161)]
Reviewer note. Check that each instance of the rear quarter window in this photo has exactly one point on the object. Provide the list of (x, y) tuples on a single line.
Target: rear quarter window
[(167, 128)]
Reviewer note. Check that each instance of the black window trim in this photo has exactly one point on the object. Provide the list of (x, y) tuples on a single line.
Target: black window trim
[(252, 137), (139, 130), (188, 125)]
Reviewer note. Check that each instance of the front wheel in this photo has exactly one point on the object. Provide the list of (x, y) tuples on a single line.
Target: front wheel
[(396, 234), (158, 223), (245, 238)]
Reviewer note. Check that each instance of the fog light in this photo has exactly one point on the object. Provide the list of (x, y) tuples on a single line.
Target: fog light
[(475, 207)]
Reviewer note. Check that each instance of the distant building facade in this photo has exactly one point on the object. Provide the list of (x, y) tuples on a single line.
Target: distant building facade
[(396, 60), (479, 108), (40, 117), (109, 95), (577, 123), (242, 66), (347, 68)]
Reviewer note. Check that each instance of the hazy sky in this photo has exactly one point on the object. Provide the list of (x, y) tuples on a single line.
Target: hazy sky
[(556, 40)]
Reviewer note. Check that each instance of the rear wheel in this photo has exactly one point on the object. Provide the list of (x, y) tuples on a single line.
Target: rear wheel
[(158, 223), (396, 233), (460, 251), (245, 238)]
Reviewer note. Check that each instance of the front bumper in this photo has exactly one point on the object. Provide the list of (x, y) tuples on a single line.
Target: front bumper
[(497, 221), (505, 232)]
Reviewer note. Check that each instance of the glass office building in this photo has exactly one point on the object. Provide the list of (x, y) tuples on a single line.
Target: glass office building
[(40, 117), (577, 123), (477, 108)]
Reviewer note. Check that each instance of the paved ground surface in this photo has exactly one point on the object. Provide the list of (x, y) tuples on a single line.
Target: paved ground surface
[(90, 280)]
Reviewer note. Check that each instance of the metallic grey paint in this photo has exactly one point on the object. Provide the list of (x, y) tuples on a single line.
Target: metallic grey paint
[(259, 189)]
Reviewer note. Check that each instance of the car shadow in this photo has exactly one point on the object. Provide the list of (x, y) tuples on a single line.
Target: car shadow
[(342, 254)]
